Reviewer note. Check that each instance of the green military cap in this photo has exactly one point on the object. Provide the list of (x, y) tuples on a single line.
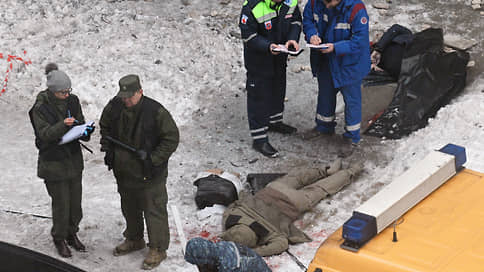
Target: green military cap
[(128, 85)]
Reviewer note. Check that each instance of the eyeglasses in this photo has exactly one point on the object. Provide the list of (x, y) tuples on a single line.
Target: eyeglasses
[(66, 91)]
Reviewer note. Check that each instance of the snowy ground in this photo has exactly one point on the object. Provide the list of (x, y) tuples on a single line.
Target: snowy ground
[(189, 58)]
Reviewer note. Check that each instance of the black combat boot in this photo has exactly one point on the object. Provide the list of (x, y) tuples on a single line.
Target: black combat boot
[(266, 149), (62, 248), (282, 128), (74, 242)]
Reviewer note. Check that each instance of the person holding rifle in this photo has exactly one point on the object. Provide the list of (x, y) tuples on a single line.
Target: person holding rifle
[(138, 136)]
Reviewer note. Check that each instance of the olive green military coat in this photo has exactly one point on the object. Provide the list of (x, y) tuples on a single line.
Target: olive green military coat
[(128, 167), (56, 162), (279, 227)]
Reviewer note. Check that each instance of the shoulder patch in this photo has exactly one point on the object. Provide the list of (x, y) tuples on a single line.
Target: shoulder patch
[(244, 18), (268, 25), (259, 229), (232, 220), (364, 21)]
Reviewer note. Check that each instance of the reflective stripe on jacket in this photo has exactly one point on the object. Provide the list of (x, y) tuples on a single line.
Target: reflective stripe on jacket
[(346, 26), (262, 23)]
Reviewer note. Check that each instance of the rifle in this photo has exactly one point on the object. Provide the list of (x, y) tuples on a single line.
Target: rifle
[(141, 153)]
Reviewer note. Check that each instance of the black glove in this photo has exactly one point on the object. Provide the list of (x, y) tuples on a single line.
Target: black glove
[(87, 133), (142, 154), (109, 159), (90, 130)]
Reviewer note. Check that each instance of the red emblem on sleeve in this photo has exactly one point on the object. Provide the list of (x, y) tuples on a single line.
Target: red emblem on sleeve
[(268, 25), (364, 21), (244, 18)]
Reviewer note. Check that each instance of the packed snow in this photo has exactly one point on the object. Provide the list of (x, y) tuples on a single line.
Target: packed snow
[(188, 55)]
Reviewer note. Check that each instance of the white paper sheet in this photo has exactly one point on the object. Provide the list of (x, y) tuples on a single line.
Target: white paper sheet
[(75, 132), (319, 46), (283, 49)]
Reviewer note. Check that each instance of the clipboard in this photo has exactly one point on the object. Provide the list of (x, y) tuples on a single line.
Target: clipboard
[(75, 133)]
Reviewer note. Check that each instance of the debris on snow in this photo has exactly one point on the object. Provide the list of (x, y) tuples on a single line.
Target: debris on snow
[(457, 42), (380, 5)]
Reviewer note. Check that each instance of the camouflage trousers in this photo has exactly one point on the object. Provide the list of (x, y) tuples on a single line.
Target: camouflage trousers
[(148, 203)]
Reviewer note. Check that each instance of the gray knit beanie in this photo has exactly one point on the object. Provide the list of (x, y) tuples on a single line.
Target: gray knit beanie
[(57, 80)]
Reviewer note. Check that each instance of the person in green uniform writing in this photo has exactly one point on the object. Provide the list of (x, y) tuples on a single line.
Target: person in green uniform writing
[(54, 113)]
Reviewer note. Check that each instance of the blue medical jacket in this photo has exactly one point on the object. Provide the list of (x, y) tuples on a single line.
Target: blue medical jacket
[(346, 26)]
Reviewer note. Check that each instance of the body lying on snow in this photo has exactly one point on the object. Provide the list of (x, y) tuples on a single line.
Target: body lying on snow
[(263, 221)]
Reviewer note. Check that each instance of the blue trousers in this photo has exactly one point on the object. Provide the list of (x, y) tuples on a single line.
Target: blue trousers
[(325, 114), (265, 103)]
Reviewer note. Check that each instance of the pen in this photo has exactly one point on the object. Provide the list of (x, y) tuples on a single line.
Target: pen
[(69, 116)]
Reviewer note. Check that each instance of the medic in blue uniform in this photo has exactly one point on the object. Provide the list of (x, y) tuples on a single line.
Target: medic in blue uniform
[(265, 24), (341, 25)]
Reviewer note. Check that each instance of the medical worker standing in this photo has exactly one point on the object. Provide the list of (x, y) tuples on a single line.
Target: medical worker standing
[(342, 27)]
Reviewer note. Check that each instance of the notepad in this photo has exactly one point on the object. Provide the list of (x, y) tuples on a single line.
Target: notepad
[(283, 49), (75, 133), (319, 46)]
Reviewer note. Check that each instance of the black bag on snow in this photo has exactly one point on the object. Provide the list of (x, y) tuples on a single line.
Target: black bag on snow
[(214, 189), (428, 80)]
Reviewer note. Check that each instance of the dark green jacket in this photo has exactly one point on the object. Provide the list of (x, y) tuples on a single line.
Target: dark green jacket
[(274, 230), (56, 162), (147, 126)]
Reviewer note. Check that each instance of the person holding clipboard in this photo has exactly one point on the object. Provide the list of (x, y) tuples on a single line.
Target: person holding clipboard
[(268, 28), (340, 29), (54, 113)]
